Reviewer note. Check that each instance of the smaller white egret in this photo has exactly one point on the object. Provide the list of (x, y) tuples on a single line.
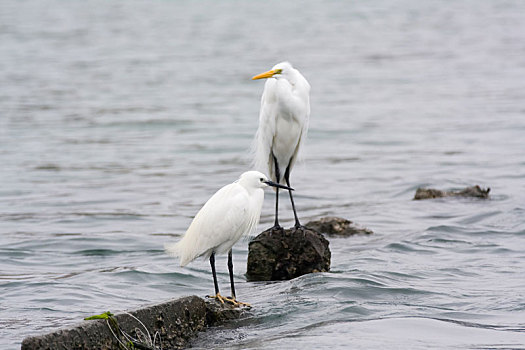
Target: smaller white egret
[(283, 123), (231, 212)]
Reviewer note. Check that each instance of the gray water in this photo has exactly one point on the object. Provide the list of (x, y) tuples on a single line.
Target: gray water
[(119, 119)]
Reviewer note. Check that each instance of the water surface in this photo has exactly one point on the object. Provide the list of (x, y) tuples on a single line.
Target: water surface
[(120, 119)]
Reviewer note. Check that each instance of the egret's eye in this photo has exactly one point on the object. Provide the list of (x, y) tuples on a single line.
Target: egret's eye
[(262, 179)]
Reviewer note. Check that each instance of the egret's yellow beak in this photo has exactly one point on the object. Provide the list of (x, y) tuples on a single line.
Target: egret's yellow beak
[(268, 74)]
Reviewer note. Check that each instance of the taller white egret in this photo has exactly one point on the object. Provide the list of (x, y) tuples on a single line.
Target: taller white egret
[(231, 212), (283, 123)]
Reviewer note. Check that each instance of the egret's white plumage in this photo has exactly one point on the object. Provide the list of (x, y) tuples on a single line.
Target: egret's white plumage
[(283, 122), (233, 211)]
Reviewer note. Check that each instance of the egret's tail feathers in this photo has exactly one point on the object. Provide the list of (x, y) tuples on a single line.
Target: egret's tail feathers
[(176, 251)]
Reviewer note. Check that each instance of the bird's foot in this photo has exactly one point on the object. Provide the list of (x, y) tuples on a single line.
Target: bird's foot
[(300, 227), (228, 300), (235, 303), (218, 297), (276, 228)]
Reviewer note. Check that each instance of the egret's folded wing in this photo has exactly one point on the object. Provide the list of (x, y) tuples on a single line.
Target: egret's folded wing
[(218, 220)]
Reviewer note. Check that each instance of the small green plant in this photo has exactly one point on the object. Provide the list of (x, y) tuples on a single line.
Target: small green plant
[(144, 341)]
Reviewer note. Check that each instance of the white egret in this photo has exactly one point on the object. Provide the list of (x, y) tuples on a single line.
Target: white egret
[(231, 212), (283, 123)]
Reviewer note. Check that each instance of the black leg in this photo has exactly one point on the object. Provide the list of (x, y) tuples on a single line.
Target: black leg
[(230, 268), (287, 179), (212, 263), (276, 225)]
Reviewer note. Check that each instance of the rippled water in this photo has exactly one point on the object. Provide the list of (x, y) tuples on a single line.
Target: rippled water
[(119, 119)]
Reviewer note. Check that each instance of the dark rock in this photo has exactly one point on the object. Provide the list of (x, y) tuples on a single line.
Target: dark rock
[(285, 254), (427, 193), (474, 191), (176, 322), (334, 226)]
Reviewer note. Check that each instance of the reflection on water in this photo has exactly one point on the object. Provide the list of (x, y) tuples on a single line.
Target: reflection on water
[(119, 120)]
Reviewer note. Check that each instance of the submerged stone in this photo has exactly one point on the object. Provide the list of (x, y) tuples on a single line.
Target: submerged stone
[(334, 226), (285, 254), (474, 191), (170, 325)]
